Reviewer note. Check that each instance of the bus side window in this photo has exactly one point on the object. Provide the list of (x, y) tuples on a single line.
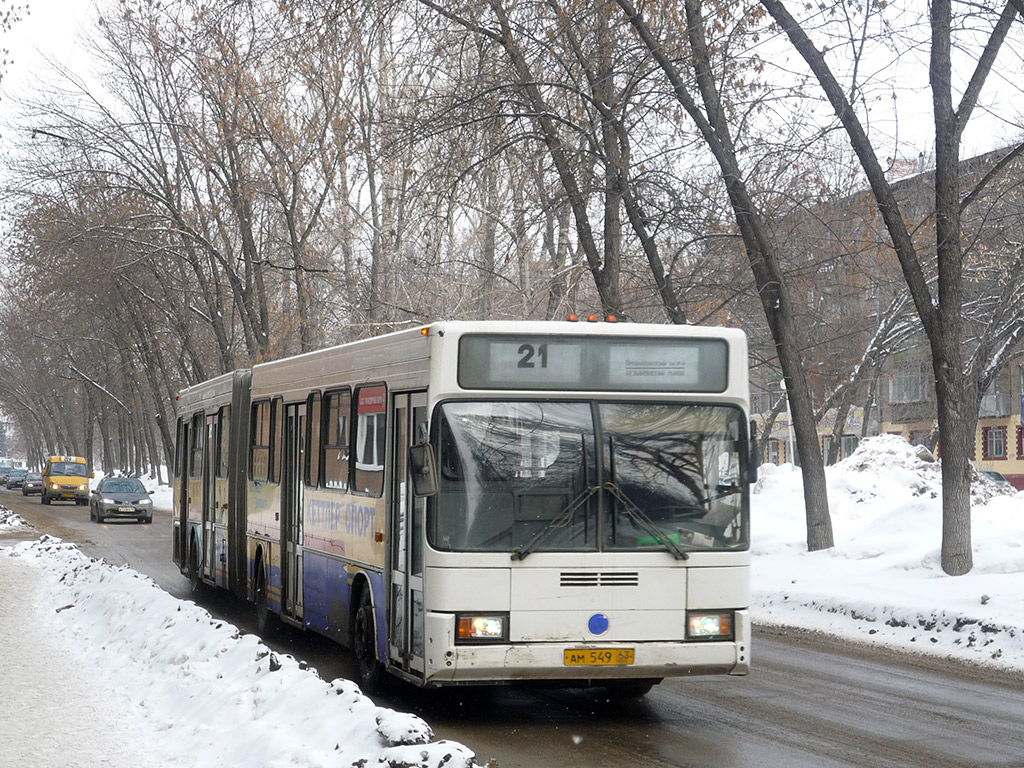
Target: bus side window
[(335, 434), (179, 441), (371, 439), (195, 468), (259, 457), (313, 444), (223, 430), (276, 439)]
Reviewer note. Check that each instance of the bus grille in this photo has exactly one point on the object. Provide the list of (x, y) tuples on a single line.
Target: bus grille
[(600, 579)]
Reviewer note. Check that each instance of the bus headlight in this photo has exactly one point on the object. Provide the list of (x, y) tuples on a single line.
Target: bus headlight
[(481, 628), (709, 625)]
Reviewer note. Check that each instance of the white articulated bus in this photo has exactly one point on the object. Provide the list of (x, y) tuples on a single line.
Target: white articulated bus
[(485, 502)]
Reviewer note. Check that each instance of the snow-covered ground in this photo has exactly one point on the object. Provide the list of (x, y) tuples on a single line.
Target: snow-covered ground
[(195, 691), (882, 582)]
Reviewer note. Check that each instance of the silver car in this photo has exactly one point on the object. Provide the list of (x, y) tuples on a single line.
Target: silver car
[(120, 497), (33, 483)]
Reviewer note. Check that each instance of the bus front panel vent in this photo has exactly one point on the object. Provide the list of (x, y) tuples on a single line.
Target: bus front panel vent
[(600, 579)]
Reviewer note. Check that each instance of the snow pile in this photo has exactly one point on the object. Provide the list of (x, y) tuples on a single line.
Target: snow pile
[(882, 582), (10, 520), (215, 696)]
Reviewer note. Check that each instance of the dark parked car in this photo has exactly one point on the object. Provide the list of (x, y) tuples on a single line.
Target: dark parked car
[(33, 483), (120, 497), (16, 477)]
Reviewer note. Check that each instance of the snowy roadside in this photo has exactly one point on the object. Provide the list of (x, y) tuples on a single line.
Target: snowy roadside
[(55, 711), (882, 583), (186, 687)]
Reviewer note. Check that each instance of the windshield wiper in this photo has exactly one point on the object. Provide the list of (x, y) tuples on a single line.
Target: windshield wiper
[(560, 521), (643, 521)]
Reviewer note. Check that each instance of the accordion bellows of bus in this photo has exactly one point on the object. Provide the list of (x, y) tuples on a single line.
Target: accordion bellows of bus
[(485, 502)]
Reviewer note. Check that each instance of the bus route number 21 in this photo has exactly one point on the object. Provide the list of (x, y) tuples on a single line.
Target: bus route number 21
[(533, 356)]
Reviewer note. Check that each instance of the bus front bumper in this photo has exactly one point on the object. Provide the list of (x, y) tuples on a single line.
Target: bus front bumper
[(448, 663)]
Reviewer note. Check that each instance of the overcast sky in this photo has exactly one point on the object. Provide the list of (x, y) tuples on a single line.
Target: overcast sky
[(50, 28)]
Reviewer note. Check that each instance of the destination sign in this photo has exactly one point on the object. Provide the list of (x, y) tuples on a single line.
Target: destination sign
[(589, 363)]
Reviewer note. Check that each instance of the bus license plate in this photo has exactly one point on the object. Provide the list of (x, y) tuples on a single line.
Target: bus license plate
[(598, 657)]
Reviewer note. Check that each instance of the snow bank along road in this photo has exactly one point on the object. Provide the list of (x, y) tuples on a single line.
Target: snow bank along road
[(53, 709)]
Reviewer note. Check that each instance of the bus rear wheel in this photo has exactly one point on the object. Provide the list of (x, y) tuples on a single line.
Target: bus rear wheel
[(364, 644)]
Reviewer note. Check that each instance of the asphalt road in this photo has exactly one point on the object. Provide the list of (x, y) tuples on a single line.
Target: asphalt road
[(808, 703)]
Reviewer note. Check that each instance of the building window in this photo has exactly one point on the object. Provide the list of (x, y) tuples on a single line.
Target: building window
[(1020, 442), (910, 384), (920, 437), (996, 400), (993, 442), (761, 402), (849, 445), (773, 452), (826, 446)]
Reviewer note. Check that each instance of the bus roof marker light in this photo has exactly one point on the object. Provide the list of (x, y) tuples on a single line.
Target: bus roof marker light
[(573, 318), (424, 331), (592, 318), (611, 319)]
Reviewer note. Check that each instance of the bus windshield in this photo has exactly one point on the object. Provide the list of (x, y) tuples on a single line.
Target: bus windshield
[(530, 476)]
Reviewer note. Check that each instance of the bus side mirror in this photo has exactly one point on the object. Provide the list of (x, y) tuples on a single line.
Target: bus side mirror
[(423, 470), (755, 455)]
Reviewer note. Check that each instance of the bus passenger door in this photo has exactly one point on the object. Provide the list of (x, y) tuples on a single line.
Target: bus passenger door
[(405, 635), (180, 529), (208, 560), (292, 447)]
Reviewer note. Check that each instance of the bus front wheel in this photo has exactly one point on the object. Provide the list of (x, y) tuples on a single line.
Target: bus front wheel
[(194, 577), (364, 643), (263, 614), (630, 689)]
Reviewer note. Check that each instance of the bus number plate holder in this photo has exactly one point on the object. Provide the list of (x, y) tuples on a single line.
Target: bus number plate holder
[(598, 657)]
